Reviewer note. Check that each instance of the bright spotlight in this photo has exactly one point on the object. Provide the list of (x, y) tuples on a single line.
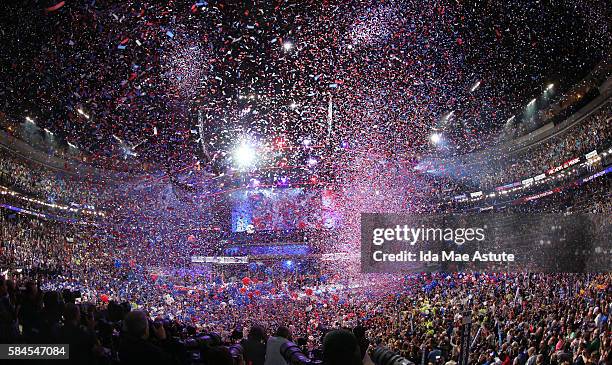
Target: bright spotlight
[(311, 161), (28, 119), (244, 156), (550, 86), (287, 46), (531, 102), (435, 138), (293, 105)]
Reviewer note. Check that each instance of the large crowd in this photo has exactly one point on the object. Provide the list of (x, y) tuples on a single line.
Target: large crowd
[(519, 318), (46, 183), (386, 107), (495, 168), (594, 133), (116, 293)]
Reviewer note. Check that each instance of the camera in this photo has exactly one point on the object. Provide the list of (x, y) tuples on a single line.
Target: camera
[(384, 356), (236, 351), (294, 355)]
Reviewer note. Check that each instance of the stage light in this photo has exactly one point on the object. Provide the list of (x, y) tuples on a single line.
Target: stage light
[(287, 46), (80, 111), (48, 131), (435, 138), (30, 120), (311, 162), (550, 86), (306, 142), (475, 86), (293, 105), (532, 102), (244, 155)]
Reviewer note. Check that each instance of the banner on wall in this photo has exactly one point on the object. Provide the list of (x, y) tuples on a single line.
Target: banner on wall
[(220, 259)]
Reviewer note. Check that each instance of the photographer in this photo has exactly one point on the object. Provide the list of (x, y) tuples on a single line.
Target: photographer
[(80, 338), (340, 347), (135, 346), (8, 323), (273, 355), (221, 356), (255, 346)]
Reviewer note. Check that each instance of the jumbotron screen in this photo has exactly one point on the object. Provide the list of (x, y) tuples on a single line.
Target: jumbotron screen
[(279, 209)]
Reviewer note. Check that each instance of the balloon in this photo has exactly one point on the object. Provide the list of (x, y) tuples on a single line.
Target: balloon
[(154, 277), (191, 238), (104, 298), (246, 281), (309, 292), (243, 290)]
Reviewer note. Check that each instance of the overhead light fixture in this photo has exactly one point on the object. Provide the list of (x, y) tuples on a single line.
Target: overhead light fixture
[(80, 111), (244, 155), (475, 86)]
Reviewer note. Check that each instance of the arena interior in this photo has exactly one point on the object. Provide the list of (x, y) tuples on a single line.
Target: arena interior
[(185, 182)]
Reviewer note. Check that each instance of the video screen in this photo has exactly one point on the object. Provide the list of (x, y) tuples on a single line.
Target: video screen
[(282, 209)]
